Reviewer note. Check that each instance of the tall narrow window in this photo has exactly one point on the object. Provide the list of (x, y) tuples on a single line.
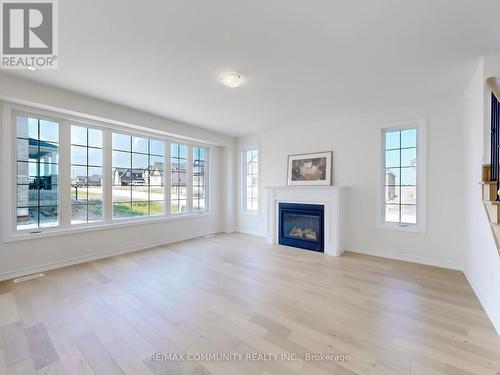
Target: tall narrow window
[(86, 175), (178, 187), (37, 173), (400, 165), (251, 175), (199, 165), (138, 176)]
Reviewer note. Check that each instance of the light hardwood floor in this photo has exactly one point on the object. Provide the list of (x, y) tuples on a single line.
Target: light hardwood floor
[(237, 294)]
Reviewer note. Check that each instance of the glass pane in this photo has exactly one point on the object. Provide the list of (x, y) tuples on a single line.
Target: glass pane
[(392, 176), (121, 210), (23, 171), (48, 196), (27, 218), (156, 177), (94, 193), (409, 176), (391, 140), (408, 195), (49, 131), (122, 159), (78, 174), (95, 156), (140, 208), (79, 194), (409, 214), (122, 194), (409, 138), (121, 142), (157, 162), (95, 212), (78, 135), (78, 213), (94, 176), (156, 193), (95, 138), (25, 151), (157, 208), (27, 128), (392, 158), (157, 147), (409, 157), (392, 213), (140, 161), (47, 153), (140, 193), (78, 155), (182, 192), (140, 145), (392, 194), (48, 216), (26, 196)]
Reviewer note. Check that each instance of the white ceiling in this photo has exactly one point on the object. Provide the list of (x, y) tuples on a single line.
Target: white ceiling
[(305, 61)]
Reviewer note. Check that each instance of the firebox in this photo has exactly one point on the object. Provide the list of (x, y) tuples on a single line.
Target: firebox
[(302, 226)]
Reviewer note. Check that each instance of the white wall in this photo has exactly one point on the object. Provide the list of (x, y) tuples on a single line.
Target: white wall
[(482, 261), (355, 143), (27, 256)]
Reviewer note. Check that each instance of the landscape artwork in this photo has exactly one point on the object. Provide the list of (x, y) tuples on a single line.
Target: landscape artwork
[(310, 169)]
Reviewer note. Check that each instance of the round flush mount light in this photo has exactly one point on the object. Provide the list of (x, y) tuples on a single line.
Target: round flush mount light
[(231, 79)]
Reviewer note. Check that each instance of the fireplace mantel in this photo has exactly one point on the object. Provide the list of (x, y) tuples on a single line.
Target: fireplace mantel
[(330, 196)]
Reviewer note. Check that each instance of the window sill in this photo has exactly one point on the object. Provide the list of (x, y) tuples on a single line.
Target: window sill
[(116, 224), (402, 227)]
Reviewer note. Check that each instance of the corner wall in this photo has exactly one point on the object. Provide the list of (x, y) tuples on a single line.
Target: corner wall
[(38, 254), (482, 261), (355, 143)]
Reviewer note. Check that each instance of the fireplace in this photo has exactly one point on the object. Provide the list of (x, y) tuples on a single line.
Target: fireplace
[(301, 225)]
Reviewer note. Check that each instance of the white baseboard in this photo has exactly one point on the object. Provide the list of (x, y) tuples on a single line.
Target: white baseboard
[(410, 258), (95, 256)]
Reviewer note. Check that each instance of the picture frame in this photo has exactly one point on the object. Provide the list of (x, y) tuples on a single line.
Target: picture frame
[(313, 169)]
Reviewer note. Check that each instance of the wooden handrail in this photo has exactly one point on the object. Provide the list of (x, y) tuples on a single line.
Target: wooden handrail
[(494, 85)]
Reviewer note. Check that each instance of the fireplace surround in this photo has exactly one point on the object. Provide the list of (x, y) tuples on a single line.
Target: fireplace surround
[(330, 197)]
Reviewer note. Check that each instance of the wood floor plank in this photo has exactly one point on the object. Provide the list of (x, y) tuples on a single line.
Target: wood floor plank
[(40, 346), (235, 293)]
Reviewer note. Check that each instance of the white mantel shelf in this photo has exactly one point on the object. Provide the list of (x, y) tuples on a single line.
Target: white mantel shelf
[(331, 197)]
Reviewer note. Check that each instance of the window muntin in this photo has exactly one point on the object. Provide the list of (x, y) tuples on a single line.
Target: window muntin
[(138, 176), (251, 187), (86, 175), (37, 173), (178, 176), (400, 164), (199, 178)]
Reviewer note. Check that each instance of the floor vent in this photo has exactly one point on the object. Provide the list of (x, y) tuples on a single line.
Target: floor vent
[(27, 278)]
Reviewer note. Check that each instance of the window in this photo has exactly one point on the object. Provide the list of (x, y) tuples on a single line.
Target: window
[(86, 175), (178, 186), (37, 173), (138, 176), (403, 163), (199, 181), (72, 172), (251, 177)]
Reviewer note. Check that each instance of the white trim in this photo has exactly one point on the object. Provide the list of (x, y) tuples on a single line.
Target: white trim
[(8, 143), (421, 226), (95, 256), (117, 223), (436, 262), (243, 184)]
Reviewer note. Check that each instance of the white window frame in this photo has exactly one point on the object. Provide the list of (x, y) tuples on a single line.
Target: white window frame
[(8, 147), (244, 209), (421, 225)]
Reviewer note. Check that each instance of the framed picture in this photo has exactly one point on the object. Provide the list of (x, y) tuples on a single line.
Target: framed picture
[(310, 169)]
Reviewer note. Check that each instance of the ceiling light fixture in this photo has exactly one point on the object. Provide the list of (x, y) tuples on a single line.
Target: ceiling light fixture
[(32, 68), (232, 79)]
